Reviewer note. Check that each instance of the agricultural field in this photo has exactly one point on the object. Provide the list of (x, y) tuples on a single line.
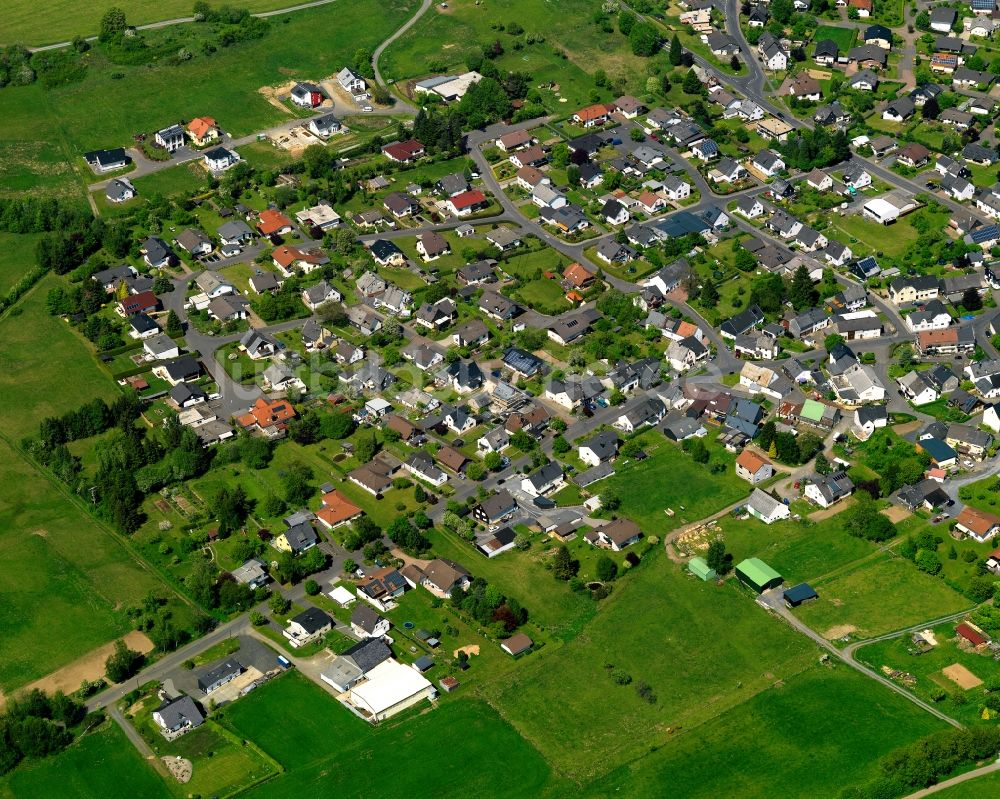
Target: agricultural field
[(102, 765), (849, 604), (703, 650), (900, 653), (68, 574), (759, 744), (294, 722), (698, 495)]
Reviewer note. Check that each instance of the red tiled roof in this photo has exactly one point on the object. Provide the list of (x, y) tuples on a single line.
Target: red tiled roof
[(592, 112), (468, 199), (265, 413), (199, 126), (336, 509), (751, 461), (403, 150), (272, 221)]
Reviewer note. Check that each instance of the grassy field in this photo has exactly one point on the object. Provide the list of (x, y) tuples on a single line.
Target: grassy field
[(927, 668), (881, 595), (450, 751), (102, 765), (703, 649), (17, 257), (798, 550), (177, 179), (28, 381), (760, 744), (64, 573), (647, 494), (552, 605), (61, 20), (573, 47), (844, 37), (873, 236), (47, 130)]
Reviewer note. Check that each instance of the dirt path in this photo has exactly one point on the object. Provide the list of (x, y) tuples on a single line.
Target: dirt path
[(90, 667)]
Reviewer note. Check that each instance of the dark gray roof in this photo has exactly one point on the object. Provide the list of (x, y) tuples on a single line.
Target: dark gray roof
[(368, 654), (230, 666), (300, 536), (546, 474), (604, 444), (312, 620), (177, 712)]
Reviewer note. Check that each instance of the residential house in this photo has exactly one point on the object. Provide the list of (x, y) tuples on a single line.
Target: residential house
[(826, 490), (307, 626), (306, 95), (544, 480), (768, 163), (219, 159), (766, 508), (325, 126), (616, 535), (170, 139), (178, 715), (432, 245), (404, 152), (753, 468), (977, 524), (600, 448)]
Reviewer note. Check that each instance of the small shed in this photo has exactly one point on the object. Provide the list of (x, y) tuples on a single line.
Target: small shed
[(449, 684), (701, 570), (342, 596), (758, 575), (517, 644), (422, 664), (797, 594), (972, 635)]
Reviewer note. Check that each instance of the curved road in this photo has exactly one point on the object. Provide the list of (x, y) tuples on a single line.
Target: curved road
[(406, 26), (773, 600)]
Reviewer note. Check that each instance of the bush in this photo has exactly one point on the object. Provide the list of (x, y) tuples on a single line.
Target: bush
[(607, 569), (621, 677), (311, 587)]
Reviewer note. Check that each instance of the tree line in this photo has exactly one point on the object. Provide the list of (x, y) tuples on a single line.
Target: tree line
[(928, 761), (36, 725)]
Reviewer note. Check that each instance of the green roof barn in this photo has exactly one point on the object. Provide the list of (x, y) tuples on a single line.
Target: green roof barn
[(700, 569), (758, 575)]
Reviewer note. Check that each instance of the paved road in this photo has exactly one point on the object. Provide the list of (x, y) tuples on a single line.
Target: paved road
[(382, 47), (773, 599), (130, 732)]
